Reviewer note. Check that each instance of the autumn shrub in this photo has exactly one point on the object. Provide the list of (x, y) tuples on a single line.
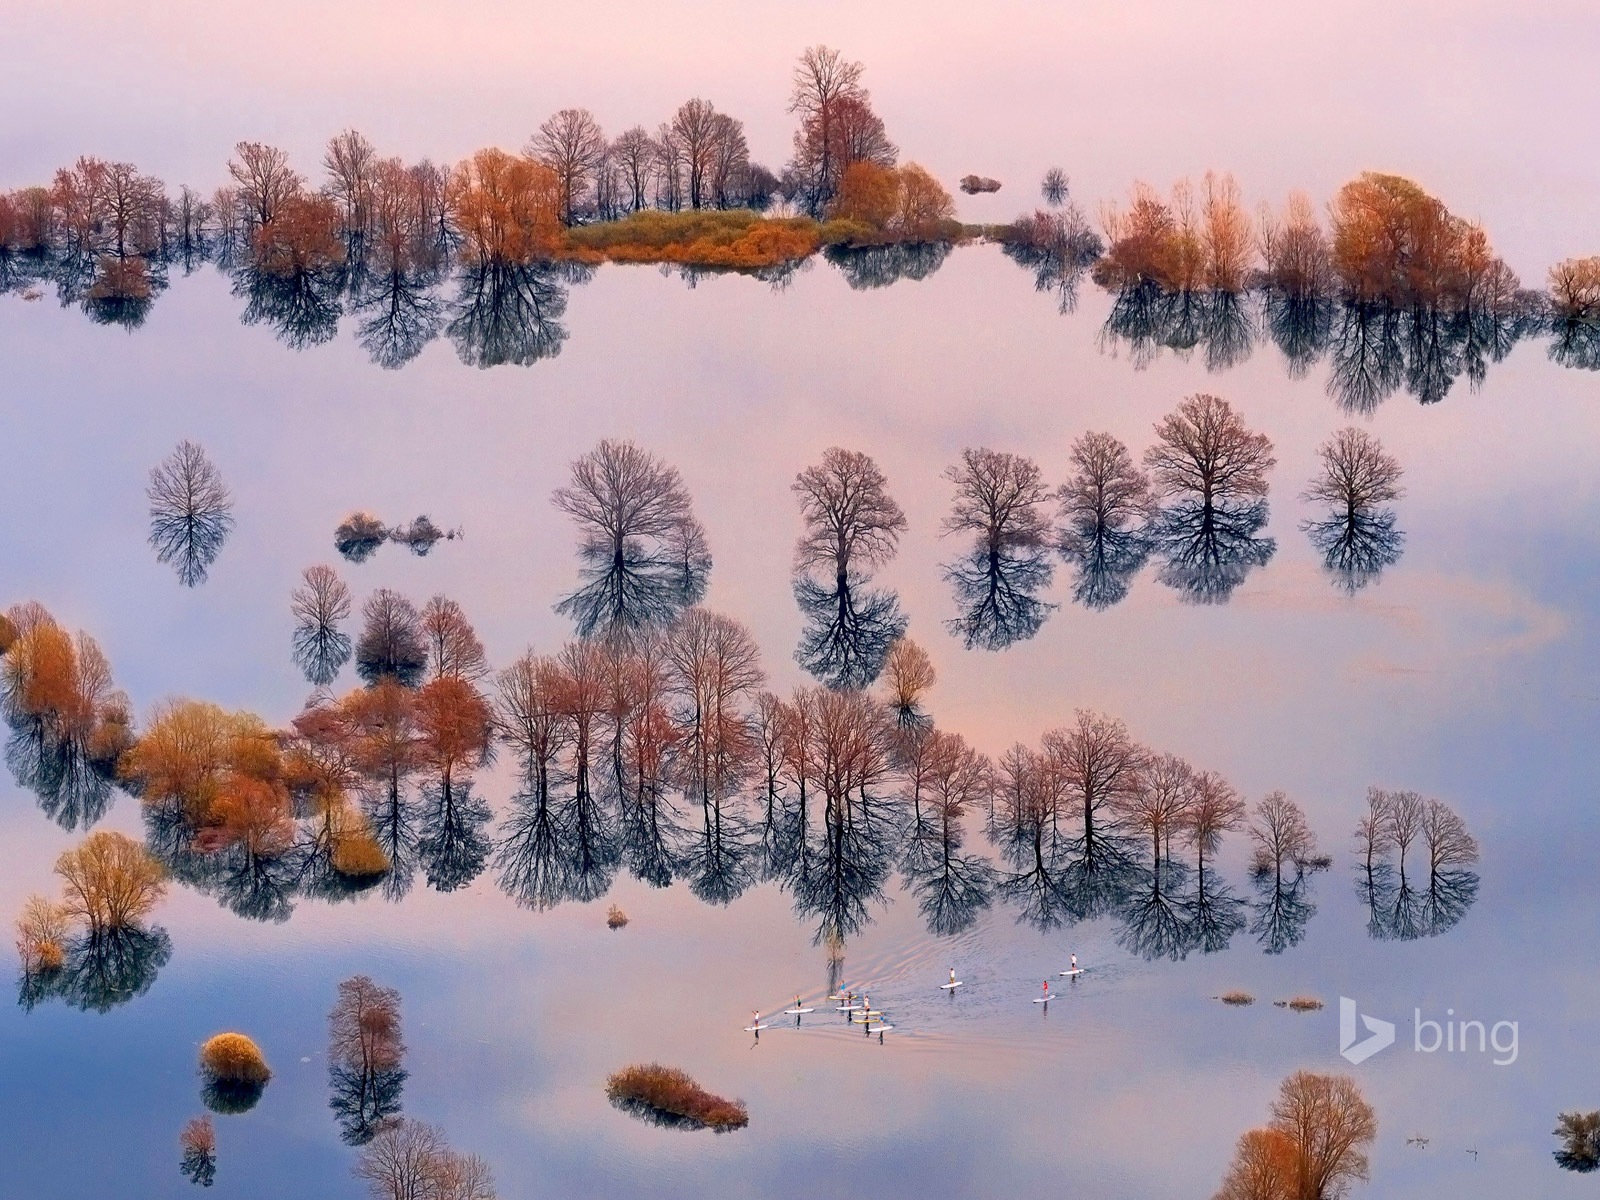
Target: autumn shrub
[(352, 848), (733, 239), (656, 1089), (1305, 1004), (41, 936), (894, 204), (615, 917), (1237, 998), (234, 1058)]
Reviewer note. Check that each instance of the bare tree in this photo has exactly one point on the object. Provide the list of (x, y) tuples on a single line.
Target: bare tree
[(852, 526), (570, 143), (635, 155), (1214, 809), (1211, 472), (191, 512), (1204, 450), (1159, 803), (822, 79), (110, 882), (1265, 1166), (908, 673), (644, 554), (265, 180), (351, 162), (318, 605), (851, 522), (1000, 498), (1357, 537), (364, 1056), (1406, 813), (714, 669), (696, 130), (409, 1160), (391, 642), (1282, 838), (1105, 506), (1097, 765), (1374, 831), (1450, 847), (454, 650), (1330, 1125)]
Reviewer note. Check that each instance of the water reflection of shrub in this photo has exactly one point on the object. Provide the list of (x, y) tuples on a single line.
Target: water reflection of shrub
[(234, 1073)]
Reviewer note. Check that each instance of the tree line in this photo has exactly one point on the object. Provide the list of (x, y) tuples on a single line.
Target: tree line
[(379, 235), (1393, 288), (659, 751)]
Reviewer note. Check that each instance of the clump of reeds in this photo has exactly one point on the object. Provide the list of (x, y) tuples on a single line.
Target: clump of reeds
[(615, 918), (655, 1090), (1300, 1004), (235, 1072), (1237, 998), (234, 1058)]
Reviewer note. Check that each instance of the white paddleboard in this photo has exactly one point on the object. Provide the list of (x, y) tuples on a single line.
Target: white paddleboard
[(757, 1028), (848, 1008), (880, 1028), (795, 1012), (1043, 999), (945, 987), (1079, 971)]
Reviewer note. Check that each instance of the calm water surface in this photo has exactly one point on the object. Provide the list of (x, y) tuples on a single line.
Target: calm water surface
[(1467, 671)]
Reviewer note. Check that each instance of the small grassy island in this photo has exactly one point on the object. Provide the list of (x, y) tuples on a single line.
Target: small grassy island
[(669, 1097)]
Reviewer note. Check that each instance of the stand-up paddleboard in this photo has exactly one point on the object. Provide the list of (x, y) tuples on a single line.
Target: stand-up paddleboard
[(796, 1012), (758, 1028), (880, 1028), (1079, 971), (848, 1008), (948, 987)]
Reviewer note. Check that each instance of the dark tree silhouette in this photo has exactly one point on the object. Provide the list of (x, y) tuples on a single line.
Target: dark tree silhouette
[(852, 526), (508, 312), (359, 535), (1357, 538), (999, 499), (391, 644), (643, 553), (191, 512), (319, 604), (1106, 507), (1210, 471)]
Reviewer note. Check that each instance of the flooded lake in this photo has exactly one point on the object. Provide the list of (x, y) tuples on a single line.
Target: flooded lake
[(1464, 669)]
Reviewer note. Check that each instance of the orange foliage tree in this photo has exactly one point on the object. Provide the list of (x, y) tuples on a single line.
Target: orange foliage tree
[(1395, 244), (506, 207)]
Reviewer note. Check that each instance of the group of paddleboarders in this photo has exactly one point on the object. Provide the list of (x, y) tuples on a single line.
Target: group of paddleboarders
[(866, 1010)]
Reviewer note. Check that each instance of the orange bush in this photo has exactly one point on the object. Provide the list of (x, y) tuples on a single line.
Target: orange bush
[(671, 1091), (234, 1058)]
